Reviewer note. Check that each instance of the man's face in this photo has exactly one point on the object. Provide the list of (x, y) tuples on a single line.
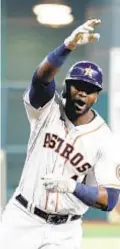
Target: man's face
[(81, 96)]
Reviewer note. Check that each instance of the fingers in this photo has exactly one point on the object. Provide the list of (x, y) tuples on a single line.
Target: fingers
[(89, 25), (79, 38), (83, 34), (47, 181), (93, 22), (85, 38), (94, 36), (50, 186)]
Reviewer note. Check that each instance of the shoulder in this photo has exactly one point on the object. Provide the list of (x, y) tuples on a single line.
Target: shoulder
[(103, 124), (106, 138), (110, 144)]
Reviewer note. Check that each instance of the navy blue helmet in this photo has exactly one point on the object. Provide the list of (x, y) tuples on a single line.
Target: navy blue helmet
[(86, 71)]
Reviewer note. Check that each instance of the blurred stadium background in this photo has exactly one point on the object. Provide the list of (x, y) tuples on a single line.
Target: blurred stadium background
[(24, 44)]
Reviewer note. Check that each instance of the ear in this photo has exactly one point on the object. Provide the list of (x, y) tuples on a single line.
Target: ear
[(97, 95), (64, 93)]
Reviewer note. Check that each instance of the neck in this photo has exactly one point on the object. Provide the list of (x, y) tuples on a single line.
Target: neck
[(85, 118)]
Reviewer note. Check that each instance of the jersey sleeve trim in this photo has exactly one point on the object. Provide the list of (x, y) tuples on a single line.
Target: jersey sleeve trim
[(110, 185), (89, 132), (27, 101)]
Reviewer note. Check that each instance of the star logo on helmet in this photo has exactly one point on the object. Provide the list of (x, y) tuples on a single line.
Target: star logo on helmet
[(88, 71)]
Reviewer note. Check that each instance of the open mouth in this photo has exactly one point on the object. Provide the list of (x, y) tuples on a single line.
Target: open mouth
[(80, 102), (79, 105)]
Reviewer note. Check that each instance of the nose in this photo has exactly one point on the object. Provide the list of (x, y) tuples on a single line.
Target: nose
[(82, 93)]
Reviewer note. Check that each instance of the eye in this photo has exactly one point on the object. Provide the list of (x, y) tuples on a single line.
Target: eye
[(90, 90), (85, 87)]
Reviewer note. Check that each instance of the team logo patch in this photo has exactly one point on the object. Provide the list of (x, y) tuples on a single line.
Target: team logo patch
[(88, 71), (118, 171)]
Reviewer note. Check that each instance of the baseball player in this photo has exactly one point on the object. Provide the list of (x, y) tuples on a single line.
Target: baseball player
[(70, 165)]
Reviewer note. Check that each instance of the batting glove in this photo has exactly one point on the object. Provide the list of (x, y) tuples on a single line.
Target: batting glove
[(58, 184), (83, 34)]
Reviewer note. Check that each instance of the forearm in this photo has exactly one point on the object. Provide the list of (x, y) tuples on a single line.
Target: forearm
[(80, 36), (102, 199), (43, 86), (52, 63), (91, 196), (98, 197)]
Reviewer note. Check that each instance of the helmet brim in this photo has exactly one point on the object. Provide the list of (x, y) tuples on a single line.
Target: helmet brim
[(85, 79)]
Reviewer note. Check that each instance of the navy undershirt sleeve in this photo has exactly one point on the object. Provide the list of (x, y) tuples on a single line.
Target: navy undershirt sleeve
[(40, 91), (89, 194), (59, 55), (113, 196)]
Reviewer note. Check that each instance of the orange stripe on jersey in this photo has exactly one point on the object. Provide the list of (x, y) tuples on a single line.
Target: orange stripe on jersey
[(118, 172), (57, 200), (47, 197), (111, 185), (57, 194), (67, 131), (84, 134)]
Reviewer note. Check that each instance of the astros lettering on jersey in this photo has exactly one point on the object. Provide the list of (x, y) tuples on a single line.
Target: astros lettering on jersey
[(57, 146)]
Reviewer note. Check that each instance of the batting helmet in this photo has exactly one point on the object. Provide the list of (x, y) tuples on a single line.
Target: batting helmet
[(85, 71)]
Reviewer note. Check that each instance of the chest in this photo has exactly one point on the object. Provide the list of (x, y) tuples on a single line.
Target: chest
[(70, 147), (64, 146)]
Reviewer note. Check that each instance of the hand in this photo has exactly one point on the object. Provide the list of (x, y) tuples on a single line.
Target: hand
[(58, 184), (83, 34)]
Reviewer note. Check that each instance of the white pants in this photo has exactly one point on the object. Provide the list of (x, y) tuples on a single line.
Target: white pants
[(22, 230)]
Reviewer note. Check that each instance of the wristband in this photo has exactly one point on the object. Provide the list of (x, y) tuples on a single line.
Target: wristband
[(87, 194), (59, 55)]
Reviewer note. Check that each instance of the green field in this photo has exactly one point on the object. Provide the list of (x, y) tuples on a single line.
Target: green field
[(103, 230), (98, 235)]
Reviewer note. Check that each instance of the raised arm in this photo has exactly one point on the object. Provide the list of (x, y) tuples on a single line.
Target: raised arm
[(43, 86)]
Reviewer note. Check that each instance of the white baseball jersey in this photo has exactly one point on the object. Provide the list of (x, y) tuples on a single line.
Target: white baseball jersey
[(57, 146)]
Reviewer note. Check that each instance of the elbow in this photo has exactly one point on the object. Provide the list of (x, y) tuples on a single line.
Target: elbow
[(109, 209), (113, 196)]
